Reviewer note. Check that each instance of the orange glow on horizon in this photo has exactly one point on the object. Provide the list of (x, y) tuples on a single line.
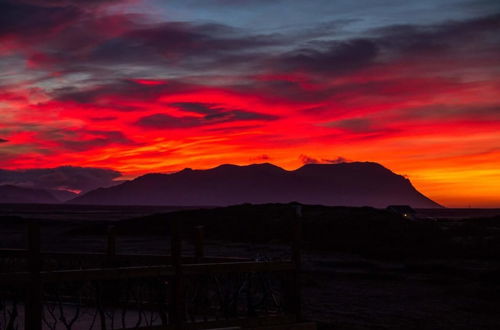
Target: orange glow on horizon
[(452, 162)]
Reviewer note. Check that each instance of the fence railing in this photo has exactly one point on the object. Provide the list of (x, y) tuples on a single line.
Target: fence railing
[(53, 290)]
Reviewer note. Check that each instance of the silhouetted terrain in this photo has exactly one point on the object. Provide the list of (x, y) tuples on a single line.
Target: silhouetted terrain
[(13, 194), (347, 184), (62, 195), (364, 230), (363, 268)]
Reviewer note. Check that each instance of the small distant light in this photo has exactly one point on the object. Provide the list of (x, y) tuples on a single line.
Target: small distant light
[(405, 215)]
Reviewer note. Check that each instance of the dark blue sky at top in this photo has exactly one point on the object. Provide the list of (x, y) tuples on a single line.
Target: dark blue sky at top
[(292, 15)]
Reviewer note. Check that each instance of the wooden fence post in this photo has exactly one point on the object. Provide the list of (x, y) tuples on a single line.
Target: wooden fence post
[(33, 306), (177, 310), (297, 236), (297, 260), (199, 243), (111, 247)]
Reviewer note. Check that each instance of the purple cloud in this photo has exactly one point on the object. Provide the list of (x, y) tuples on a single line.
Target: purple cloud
[(212, 114)]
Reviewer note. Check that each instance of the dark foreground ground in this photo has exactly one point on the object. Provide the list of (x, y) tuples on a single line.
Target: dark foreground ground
[(363, 268)]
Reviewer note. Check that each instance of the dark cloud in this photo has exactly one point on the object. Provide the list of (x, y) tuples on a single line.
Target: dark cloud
[(281, 89), (477, 112), (64, 177), (366, 128), (245, 3), (184, 48), (356, 125), (308, 160), (335, 57), (98, 139), (62, 3), (171, 47), (213, 114), (173, 38), (231, 129), (100, 119), (123, 90), (84, 139), (161, 120), (23, 18), (338, 160), (214, 111), (104, 95), (451, 37), (362, 94), (71, 36), (263, 157), (217, 47), (202, 108)]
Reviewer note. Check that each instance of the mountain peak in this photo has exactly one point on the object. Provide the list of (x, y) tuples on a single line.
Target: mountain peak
[(348, 184), (345, 164), (249, 166)]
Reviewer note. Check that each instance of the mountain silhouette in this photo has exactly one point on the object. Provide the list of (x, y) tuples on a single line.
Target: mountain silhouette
[(15, 195), (61, 195), (10, 194), (347, 184)]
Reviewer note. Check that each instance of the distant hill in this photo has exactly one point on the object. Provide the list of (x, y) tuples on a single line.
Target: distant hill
[(347, 184), (14, 195), (10, 194), (62, 195)]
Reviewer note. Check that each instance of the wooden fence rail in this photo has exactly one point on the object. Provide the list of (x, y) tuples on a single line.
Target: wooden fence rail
[(189, 280)]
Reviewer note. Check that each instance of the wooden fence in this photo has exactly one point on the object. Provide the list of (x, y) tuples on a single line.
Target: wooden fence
[(54, 290)]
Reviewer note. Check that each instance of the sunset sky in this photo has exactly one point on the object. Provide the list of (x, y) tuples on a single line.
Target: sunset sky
[(156, 86)]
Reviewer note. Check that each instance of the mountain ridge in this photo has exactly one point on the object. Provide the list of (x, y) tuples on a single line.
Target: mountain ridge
[(348, 184), (22, 195)]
